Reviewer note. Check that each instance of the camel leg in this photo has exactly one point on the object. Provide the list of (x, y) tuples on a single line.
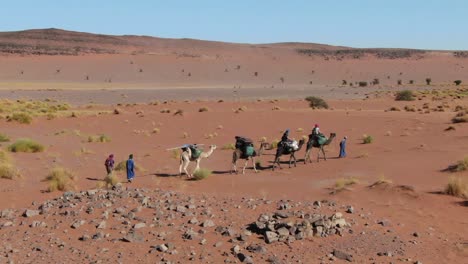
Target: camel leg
[(295, 161), (234, 161), (254, 165), (245, 165), (198, 165), (318, 155), (277, 161), (186, 164), (324, 155)]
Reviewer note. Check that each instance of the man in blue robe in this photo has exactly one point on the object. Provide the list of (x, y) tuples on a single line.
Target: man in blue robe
[(130, 168)]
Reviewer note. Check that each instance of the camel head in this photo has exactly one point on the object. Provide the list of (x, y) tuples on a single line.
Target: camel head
[(212, 147), (263, 146), (330, 139)]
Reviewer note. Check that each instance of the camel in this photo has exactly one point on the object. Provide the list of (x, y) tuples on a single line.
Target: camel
[(186, 158), (313, 144), (237, 155), (285, 152)]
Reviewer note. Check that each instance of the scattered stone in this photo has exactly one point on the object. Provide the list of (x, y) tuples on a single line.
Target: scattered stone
[(208, 223), (342, 255), (350, 210), (30, 213), (139, 225), (271, 237), (132, 237), (102, 225)]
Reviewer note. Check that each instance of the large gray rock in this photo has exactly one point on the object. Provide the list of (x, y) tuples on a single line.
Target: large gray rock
[(132, 237), (342, 255), (271, 237), (30, 213)]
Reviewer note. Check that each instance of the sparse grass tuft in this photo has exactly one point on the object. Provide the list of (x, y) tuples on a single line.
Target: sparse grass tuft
[(382, 180), (461, 117), (99, 138), (60, 179), (405, 95), (230, 146), (26, 145), (179, 112), (4, 138), (394, 108), (156, 130), (8, 171), (22, 118), (316, 102), (457, 186), (461, 165), (367, 139), (203, 109), (110, 180), (201, 174), (343, 183)]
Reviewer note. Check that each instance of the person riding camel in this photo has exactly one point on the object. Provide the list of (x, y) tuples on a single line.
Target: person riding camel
[(284, 141), (316, 130)]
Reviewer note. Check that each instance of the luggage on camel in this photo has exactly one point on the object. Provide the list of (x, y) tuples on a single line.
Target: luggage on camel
[(319, 139), (194, 149), (246, 146), (291, 145)]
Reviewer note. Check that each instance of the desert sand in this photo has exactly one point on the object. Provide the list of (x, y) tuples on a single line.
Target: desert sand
[(165, 218)]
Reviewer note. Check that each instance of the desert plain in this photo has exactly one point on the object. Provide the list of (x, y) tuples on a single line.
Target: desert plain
[(88, 96)]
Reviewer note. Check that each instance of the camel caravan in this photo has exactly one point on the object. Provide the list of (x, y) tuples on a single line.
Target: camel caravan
[(245, 150)]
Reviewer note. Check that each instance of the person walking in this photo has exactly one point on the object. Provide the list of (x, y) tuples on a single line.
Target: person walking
[(130, 168), (343, 147), (109, 163)]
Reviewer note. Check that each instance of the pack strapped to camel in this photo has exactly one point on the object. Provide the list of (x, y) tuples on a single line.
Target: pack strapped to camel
[(193, 149), (245, 145), (320, 139), (291, 146)]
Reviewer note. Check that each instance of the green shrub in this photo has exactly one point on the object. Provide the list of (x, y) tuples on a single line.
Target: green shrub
[(362, 84), (22, 118), (201, 174), (366, 139), (316, 102), (405, 95), (4, 138), (4, 157), (457, 82), (26, 145), (428, 81), (60, 179)]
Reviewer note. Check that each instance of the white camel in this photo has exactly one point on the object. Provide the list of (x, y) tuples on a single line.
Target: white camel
[(186, 158)]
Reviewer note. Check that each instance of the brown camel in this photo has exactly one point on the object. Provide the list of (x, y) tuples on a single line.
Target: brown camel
[(237, 155), (186, 158), (312, 143), (287, 152)]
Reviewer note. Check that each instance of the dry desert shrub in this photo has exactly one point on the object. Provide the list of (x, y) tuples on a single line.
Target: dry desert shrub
[(8, 171), (367, 139), (4, 138), (381, 181), (26, 145), (60, 179), (99, 138), (405, 95), (461, 165), (394, 108), (457, 186), (343, 183), (201, 174), (461, 117), (316, 102), (203, 109), (21, 118), (179, 112), (230, 146)]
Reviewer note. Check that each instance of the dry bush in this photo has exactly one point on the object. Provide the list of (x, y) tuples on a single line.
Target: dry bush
[(405, 95), (201, 174), (316, 102), (461, 165), (21, 118), (60, 179), (165, 111), (179, 112), (110, 181), (156, 130), (26, 145), (367, 139), (461, 117), (457, 186), (4, 138), (343, 183), (394, 108), (230, 146), (382, 180), (8, 171), (99, 138), (203, 109)]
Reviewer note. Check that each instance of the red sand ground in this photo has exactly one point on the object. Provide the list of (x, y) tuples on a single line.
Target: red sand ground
[(414, 155)]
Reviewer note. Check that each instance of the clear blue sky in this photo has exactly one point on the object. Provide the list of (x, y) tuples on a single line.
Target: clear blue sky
[(427, 24)]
